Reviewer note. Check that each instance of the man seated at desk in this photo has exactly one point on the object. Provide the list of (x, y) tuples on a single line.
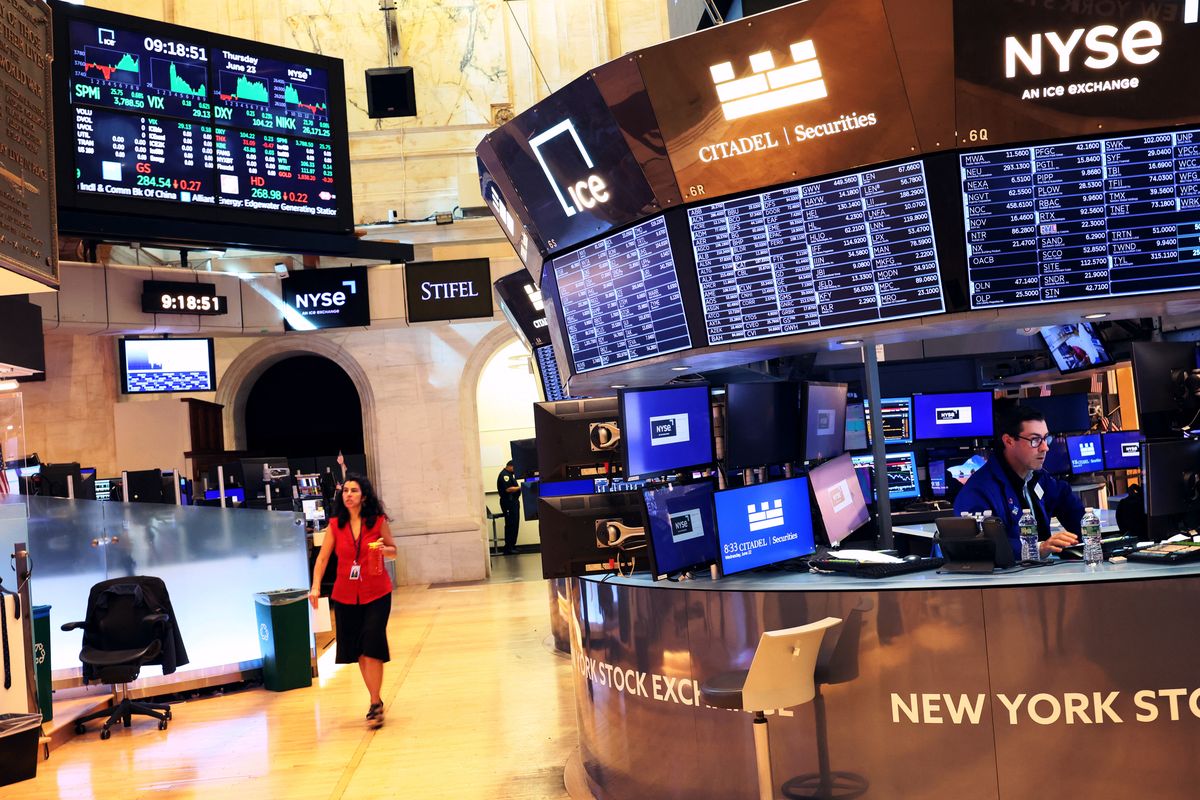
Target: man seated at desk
[(1013, 480)]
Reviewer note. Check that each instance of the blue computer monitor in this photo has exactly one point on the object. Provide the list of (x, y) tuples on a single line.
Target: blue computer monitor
[(937, 478), (665, 429), (952, 416), (896, 419), (682, 530), (901, 479), (763, 524), (231, 495), (1122, 449), (564, 488), (1087, 453), (856, 427), (1058, 460)]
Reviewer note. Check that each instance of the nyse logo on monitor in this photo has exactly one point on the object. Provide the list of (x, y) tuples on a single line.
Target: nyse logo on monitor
[(766, 515), (826, 421), (768, 88), (839, 496), (954, 415), (1087, 448), (686, 525), (568, 166), (1131, 450), (669, 429)]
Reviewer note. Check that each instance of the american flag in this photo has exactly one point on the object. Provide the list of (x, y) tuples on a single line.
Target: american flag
[(3, 474)]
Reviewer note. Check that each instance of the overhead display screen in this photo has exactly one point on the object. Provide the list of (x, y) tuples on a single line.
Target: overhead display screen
[(808, 89), (547, 366), (1033, 70), (177, 118), (619, 298), (1083, 220), (844, 251)]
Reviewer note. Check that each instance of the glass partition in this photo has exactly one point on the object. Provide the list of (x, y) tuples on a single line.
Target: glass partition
[(13, 509), (212, 560)]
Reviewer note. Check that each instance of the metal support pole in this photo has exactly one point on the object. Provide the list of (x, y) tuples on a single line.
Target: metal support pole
[(883, 503), (221, 484)]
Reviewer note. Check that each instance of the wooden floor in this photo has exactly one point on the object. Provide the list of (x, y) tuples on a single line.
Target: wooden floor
[(477, 707)]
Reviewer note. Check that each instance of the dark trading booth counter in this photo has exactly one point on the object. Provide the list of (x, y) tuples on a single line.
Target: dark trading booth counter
[(1047, 683)]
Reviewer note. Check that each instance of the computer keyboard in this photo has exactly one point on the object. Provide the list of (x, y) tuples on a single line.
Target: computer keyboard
[(869, 570)]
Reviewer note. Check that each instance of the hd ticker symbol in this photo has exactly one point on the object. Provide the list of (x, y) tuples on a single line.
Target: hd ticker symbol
[(769, 89)]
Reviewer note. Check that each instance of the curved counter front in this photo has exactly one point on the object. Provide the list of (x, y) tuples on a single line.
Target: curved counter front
[(1046, 683)]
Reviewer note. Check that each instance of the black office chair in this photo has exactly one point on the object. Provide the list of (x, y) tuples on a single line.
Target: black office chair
[(128, 625)]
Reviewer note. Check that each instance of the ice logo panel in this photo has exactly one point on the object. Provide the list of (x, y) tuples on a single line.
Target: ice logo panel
[(669, 429), (767, 515), (567, 153), (769, 88)]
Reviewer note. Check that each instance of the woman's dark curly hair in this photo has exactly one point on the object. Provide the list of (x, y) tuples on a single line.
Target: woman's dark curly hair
[(371, 508)]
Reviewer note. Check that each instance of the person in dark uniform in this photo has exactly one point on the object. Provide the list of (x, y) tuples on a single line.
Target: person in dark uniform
[(510, 506)]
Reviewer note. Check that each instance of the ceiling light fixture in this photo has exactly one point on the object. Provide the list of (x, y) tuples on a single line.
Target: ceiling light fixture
[(1096, 315), (851, 342), (680, 368), (9, 386)]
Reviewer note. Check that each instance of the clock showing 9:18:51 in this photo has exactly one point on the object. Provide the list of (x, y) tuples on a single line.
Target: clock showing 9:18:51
[(176, 297)]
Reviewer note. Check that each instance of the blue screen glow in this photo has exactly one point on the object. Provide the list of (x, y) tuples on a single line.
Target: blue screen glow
[(764, 524), (1122, 450), (949, 416), (666, 429), (1086, 453)]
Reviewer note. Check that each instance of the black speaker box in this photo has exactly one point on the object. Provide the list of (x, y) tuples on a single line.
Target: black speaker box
[(390, 92)]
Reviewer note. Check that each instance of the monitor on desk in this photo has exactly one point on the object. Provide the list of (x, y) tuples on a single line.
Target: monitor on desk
[(824, 419), (1171, 470), (902, 480), (761, 423), (960, 415), (577, 437), (1058, 457), (681, 527), (856, 427), (840, 499), (896, 419), (666, 429), (1064, 413), (1122, 449), (587, 534), (1086, 452), (763, 524), (937, 478)]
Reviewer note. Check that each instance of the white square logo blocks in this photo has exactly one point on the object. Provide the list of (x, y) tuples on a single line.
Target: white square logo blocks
[(1087, 449), (769, 88), (767, 515)]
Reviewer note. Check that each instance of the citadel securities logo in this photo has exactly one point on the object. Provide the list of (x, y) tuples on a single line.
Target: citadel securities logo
[(767, 515), (1087, 449), (768, 88), (669, 429), (585, 193)]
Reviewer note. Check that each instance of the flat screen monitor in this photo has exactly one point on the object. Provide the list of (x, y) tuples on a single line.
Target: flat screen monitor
[(57, 477), (166, 365), (232, 496), (1058, 457), (145, 486), (824, 407), (856, 427), (158, 120), (865, 239), (665, 429), (761, 422), (937, 478), (681, 528), (1044, 223), (524, 457), (104, 488), (1086, 453), (565, 488), (763, 524), (896, 419), (577, 534), (1122, 449), (902, 479), (1171, 470), (619, 298), (839, 498), (27, 472), (1064, 413), (1076, 347), (1159, 370), (547, 367), (577, 437), (958, 415)]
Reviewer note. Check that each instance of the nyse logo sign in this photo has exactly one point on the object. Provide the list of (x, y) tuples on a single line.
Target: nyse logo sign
[(1139, 45), (585, 193), (669, 429), (1131, 450), (314, 300), (686, 525), (840, 497), (954, 415), (768, 88)]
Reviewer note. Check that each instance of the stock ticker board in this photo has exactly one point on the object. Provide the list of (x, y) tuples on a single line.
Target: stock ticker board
[(845, 251), (1087, 219), (171, 121)]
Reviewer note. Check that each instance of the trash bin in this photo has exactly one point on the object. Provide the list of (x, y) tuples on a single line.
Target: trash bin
[(41, 661), (284, 638), (18, 747)]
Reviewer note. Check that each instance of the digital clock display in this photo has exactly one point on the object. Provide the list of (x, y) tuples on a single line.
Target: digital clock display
[(168, 297)]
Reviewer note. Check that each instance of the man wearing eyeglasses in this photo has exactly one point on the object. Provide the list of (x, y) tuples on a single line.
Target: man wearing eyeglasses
[(1013, 480)]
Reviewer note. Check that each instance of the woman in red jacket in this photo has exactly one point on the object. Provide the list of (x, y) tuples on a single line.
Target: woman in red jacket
[(362, 592)]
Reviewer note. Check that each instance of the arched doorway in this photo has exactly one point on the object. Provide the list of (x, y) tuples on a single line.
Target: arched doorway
[(304, 406)]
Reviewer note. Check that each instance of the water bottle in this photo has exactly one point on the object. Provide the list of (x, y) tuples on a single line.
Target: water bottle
[(1029, 536), (1093, 551)]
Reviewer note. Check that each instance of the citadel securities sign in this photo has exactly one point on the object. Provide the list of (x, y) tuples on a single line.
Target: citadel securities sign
[(808, 89), (1068, 69)]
